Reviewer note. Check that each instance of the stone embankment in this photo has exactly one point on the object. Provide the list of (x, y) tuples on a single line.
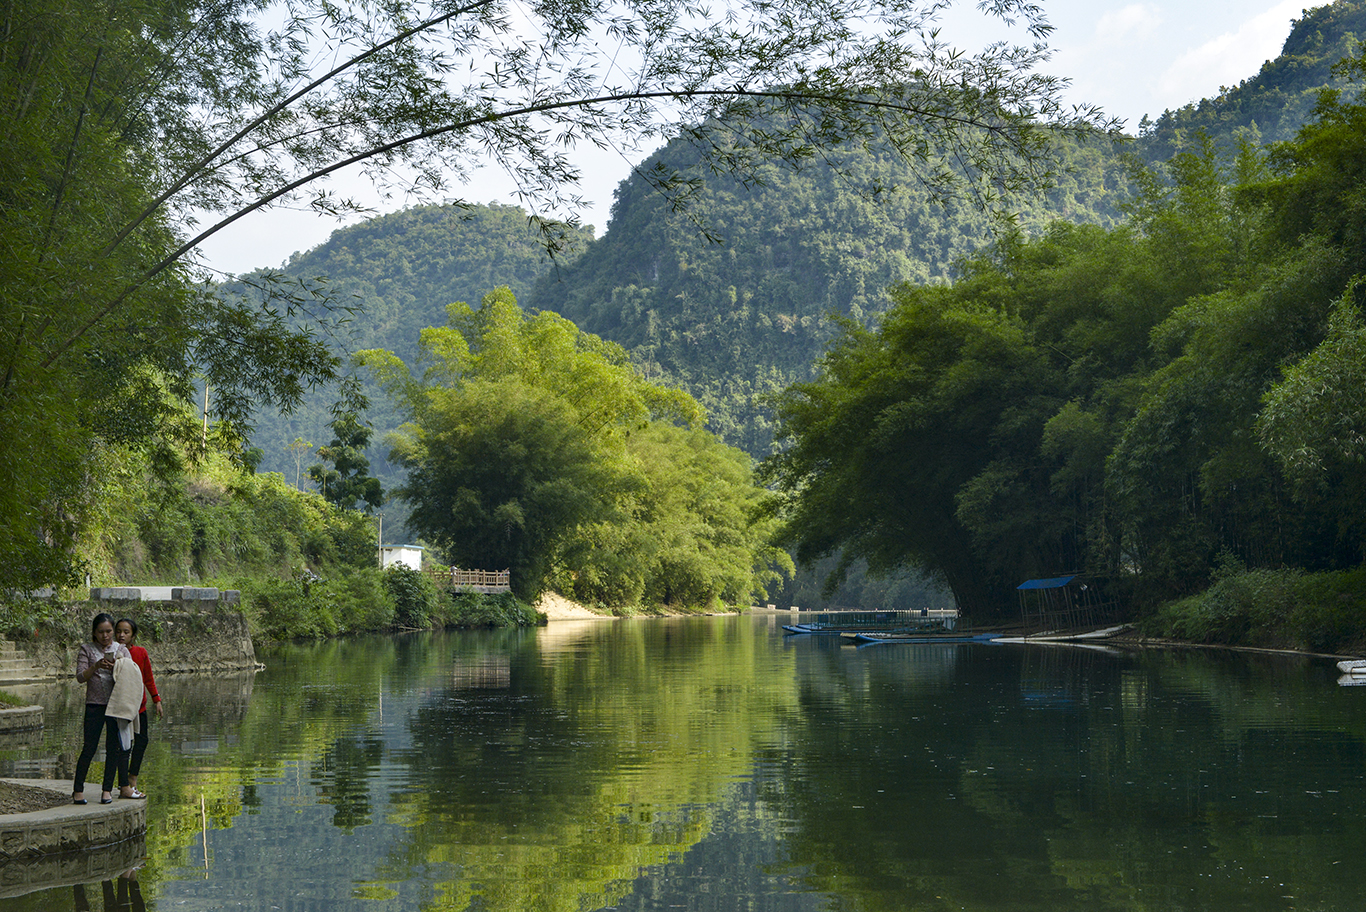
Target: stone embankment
[(48, 848), (188, 629)]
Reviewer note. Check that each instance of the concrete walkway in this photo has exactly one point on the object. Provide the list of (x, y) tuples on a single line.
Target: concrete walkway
[(69, 844)]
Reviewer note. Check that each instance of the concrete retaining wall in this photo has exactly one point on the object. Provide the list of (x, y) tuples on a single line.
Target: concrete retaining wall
[(196, 634)]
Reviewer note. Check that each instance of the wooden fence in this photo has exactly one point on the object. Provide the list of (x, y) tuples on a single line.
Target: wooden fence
[(486, 581)]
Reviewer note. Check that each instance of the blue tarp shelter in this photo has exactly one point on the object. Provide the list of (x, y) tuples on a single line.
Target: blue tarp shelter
[(1060, 603)]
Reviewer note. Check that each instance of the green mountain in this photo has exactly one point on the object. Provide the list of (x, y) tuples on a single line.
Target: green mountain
[(1281, 97), (743, 312), (398, 272), (733, 297)]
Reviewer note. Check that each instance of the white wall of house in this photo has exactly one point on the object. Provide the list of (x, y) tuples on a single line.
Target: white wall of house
[(407, 555)]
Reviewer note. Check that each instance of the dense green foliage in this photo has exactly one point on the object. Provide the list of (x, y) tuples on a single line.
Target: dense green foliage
[(102, 334), (470, 609), (218, 521), (1091, 399), (415, 597), (537, 448), (1272, 608)]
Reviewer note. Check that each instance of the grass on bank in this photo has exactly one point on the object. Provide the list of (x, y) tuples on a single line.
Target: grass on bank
[(9, 699), (367, 601), (1272, 609), (346, 601)]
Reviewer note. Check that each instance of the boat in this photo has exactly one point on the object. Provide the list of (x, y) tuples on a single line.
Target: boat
[(1103, 633), (836, 623), (1353, 667), (944, 637)]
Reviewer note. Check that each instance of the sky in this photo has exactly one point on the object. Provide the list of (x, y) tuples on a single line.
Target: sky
[(1130, 58)]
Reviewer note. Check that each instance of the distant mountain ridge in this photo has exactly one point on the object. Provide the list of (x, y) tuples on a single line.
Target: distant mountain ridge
[(734, 320), (1281, 97)]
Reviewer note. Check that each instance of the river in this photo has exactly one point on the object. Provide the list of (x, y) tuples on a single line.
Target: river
[(716, 764)]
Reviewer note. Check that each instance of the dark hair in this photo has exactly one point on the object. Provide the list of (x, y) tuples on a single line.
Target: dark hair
[(99, 619), (132, 625)]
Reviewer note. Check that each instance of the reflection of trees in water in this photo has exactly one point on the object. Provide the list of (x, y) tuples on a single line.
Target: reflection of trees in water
[(214, 700), (1090, 779), (552, 774)]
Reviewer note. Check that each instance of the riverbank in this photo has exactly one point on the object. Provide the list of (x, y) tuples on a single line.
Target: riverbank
[(558, 608), (1271, 609)]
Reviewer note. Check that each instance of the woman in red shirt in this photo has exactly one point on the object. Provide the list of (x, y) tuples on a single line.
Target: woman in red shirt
[(126, 632)]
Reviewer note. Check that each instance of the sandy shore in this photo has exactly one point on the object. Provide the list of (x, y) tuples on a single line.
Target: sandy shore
[(558, 608)]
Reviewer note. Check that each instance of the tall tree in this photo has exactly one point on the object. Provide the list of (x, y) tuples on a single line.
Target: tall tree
[(348, 481), (128, 123), (534, 447)]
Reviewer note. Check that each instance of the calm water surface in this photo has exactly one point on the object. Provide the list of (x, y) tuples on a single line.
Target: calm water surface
[(714, 764)]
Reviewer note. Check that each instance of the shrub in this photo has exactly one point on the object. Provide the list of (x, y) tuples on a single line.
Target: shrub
[(413, 595), (285, 609), (1321, 612), (471, 609), (359, 601)]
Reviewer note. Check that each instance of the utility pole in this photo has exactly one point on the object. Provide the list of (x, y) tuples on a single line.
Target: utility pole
[(381, 541)]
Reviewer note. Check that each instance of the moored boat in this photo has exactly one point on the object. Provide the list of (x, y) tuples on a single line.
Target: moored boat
[(836, 623), (946, 637)]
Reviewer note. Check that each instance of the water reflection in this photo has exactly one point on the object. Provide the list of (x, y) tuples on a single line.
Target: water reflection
[(714, 763), (123, 894)]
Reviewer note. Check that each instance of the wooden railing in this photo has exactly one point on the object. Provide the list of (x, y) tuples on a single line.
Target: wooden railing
[(478, 580)]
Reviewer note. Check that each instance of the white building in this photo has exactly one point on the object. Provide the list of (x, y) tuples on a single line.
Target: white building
[(407, 555)]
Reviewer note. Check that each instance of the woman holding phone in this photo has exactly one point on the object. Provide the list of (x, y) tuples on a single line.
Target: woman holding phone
[(95, 669)]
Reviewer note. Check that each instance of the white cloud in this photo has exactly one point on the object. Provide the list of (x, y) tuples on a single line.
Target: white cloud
[(1229, 57), (1137, 20)]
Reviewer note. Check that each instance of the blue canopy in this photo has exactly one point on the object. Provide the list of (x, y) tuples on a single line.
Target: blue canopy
[(1056, 582)]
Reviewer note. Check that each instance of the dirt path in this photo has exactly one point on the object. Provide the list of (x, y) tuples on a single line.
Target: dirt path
[(20, 799)]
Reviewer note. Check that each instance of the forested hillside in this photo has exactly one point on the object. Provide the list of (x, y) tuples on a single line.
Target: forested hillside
[(1280, 98), (732, 296), (742, 311), (398, 272)]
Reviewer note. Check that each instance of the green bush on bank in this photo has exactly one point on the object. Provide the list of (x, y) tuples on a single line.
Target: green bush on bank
[(415, 599), (369, 601), (224, 522), (1273, 609), (470, 609)]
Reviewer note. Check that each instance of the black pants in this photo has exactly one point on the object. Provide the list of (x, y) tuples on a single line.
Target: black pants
[(115, 757), (139, 745)]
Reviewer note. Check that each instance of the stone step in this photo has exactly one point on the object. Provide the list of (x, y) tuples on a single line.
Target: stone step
[(17, 669)]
